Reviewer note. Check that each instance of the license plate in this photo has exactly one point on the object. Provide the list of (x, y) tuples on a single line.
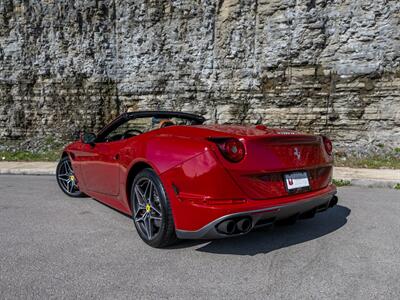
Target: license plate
[(297, 181)]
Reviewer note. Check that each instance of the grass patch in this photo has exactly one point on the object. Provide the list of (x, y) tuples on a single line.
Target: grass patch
[(50, 155), (341, 182), (372, 162), (397, 186)]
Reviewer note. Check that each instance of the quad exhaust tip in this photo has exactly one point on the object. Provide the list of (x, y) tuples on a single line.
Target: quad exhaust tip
[(227, 227), (333, 201), (244, 225), (236, 226)]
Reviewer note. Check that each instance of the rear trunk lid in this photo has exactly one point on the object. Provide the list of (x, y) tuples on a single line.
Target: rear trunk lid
[(271, 155)]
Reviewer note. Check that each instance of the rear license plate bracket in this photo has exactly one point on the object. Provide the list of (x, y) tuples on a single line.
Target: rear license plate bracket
[(296, 182)]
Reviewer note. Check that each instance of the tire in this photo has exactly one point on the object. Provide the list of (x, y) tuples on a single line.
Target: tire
[(151, 210), (66, 178)]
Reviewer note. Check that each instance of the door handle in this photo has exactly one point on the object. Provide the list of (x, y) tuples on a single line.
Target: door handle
[(116, 157)]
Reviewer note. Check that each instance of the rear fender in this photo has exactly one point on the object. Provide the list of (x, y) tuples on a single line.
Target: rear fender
[(197, 187), (168, 151), (161, 153)]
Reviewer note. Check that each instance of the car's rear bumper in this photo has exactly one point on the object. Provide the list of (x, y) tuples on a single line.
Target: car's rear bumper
[(264, 216)]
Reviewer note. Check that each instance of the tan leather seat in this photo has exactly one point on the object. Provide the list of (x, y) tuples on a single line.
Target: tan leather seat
[(165, 123)]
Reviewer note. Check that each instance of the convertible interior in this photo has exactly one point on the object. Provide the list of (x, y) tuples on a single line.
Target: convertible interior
[(137, 126)]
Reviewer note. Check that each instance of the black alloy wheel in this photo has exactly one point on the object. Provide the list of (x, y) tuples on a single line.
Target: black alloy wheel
[(66, 178), (151, 211)]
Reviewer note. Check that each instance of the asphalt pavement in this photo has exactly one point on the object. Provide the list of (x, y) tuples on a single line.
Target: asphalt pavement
[(52, 246)]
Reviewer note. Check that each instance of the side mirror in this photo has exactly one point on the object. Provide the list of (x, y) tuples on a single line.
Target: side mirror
[(88, 138)]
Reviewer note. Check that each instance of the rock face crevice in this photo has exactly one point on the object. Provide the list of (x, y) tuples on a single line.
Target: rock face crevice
[(326, 66)]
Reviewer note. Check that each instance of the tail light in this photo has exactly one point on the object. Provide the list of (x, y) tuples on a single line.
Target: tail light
[(328, 145), (232, 149)]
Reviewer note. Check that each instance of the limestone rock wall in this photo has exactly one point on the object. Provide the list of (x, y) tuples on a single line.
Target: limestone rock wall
[(324, 66)]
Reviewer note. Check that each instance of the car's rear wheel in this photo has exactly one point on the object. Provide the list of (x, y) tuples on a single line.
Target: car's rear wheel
[(66, 178), (151, 209)]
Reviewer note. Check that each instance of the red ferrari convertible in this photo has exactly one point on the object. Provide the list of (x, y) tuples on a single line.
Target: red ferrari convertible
[(179, 179)]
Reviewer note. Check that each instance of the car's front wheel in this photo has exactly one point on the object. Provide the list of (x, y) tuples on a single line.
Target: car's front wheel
[(66, 178), (151, 211)]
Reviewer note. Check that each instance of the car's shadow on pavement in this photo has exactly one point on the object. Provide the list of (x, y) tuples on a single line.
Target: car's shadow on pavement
[(277, 237)]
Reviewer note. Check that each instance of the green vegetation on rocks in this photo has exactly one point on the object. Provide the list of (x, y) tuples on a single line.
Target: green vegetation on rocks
[(341, 182), (49, 155), (390, 161)]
